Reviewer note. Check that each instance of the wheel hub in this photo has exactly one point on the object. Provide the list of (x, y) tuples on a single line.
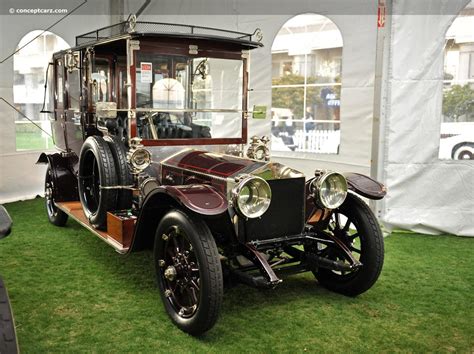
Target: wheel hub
[(170, 273)]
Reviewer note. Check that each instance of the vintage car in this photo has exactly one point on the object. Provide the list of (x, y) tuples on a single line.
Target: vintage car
[(151, 123), (457, 147)]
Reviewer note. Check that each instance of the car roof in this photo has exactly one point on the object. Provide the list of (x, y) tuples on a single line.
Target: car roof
[(140, 29)]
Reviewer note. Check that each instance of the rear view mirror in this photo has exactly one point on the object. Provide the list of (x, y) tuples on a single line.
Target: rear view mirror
[(5, 223)]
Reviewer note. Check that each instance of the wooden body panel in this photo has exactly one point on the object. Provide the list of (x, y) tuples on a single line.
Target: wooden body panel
[(121, 228)]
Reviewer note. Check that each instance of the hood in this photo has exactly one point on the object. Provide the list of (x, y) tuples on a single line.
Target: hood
[(227, 166)]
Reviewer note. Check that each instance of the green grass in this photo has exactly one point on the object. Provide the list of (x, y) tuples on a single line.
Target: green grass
[(32, 141), (71, 292)]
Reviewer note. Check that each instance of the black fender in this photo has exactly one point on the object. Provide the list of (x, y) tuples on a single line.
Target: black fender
[(365, 186), (64, 177), (199, 199)]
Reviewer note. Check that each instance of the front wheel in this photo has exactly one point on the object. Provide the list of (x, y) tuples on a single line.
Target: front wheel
[(189, 272), (356, 226)]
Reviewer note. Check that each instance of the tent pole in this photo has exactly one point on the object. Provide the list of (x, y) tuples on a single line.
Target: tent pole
[(380, 95)]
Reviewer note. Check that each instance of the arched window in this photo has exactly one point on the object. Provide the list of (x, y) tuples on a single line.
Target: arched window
[(29, 66), (306, 85), (457, 127)]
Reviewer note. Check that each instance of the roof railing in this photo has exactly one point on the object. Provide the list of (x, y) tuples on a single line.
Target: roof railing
[(131, 26)]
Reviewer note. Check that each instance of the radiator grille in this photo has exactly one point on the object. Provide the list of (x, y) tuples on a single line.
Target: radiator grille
[(285, 215)]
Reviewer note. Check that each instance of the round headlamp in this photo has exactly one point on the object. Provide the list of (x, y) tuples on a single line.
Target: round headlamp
[(140, 159), (252, 197), (330, 189)]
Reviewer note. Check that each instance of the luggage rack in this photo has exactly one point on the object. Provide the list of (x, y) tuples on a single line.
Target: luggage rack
[(132, 26)]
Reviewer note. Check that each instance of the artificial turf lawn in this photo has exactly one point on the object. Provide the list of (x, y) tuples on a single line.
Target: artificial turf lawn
[(72, 292)]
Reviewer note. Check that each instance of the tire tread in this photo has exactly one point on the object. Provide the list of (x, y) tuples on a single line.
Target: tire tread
[(107, 171)]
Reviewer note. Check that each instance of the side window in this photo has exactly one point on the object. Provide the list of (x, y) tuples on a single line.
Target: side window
[(306, 85), (121, 74), (457, 125), (30, 64), (73, 82), (101, 80), (73, 90), (59, 95)]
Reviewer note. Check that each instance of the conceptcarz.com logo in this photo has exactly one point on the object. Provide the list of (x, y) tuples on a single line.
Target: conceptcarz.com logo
[(37, 11)]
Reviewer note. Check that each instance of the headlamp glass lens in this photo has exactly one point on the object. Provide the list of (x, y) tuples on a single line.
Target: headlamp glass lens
[(332, 190), (253, 197)]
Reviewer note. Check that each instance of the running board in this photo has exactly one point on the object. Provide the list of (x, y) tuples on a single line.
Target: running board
[(74, 210)]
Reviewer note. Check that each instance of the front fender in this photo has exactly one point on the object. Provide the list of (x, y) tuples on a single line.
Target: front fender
[(365, 186), (200, 199)]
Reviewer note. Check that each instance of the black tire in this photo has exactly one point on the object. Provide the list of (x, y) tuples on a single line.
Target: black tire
[(371, 252), (193, 298), (55, 215), (125, 178), (8, 339), (97, 170)]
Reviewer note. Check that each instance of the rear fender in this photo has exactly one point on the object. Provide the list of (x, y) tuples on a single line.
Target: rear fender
[(64, 178), (203, 200), (365, 186)]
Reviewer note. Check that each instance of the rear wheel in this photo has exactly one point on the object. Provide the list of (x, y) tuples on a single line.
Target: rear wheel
[(55, 215), (97, 173), (356, 226), (189, 272)]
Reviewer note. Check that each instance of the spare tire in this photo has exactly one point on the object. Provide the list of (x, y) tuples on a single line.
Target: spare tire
[(96, 171), (125, 178)]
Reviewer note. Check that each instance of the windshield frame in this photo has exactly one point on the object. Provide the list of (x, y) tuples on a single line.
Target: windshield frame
[(185, 48)]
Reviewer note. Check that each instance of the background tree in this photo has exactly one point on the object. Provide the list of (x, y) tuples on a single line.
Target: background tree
[(458, 101), (289, 97)]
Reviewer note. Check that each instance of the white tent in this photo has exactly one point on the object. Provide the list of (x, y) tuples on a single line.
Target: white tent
[(390, 101), (425, 194)]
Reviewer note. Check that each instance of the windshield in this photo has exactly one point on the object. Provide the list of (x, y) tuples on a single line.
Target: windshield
[(181, 97)]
